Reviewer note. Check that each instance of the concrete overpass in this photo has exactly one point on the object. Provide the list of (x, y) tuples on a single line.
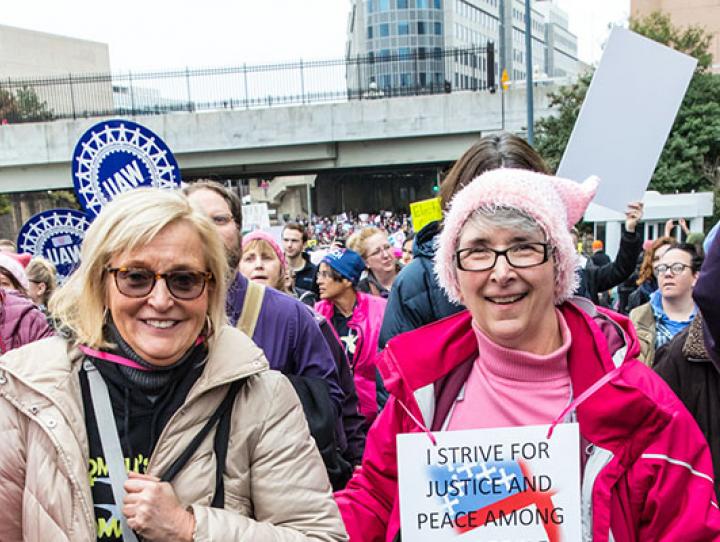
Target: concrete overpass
[(290, 140)]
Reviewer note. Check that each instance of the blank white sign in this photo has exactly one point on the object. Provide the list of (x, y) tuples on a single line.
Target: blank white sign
[(626, 117)]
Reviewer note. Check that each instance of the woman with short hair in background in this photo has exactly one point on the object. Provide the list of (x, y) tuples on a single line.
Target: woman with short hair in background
[(646, 281), (671, 307), (382, 267), (42, 277)]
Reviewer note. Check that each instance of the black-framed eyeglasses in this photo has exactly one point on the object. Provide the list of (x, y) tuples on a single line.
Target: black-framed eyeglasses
[(521, 256), (139, 282), (675, 268)]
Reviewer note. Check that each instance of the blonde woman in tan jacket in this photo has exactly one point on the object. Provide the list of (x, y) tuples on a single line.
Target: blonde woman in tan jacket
[(150, 380)]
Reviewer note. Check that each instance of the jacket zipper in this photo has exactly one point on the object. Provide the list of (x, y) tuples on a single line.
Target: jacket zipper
[(598, 460)]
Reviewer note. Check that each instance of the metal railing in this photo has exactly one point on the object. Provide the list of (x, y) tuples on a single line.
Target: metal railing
[(406, 72)]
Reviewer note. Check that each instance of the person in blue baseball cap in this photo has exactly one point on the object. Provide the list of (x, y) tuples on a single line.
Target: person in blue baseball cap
[(356, 318)]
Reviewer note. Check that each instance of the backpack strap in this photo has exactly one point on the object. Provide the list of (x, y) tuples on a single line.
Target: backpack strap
[(223, 411), (251, 308)]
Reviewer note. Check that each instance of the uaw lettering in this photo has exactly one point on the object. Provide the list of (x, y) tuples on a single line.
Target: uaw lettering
[(57, 235), (117, 156), (490, 485)]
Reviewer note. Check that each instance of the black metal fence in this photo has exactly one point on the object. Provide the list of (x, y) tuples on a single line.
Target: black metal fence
[(401, 73)]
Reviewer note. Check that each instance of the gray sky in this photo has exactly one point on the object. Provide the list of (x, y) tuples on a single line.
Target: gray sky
[(162, 34)]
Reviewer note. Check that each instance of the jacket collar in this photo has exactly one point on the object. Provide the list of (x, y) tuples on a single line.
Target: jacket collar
[(232, 356), (601, 340), (694, 348)]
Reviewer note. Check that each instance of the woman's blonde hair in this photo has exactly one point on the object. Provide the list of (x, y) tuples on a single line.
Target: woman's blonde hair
[(130, 221), (357, 240), (264, 248), (42, 271)]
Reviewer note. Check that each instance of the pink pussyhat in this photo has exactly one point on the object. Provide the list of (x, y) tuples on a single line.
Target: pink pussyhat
[(556, 204), (259, 235)]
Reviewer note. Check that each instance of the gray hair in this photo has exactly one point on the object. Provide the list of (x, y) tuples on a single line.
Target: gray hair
[(503, 217)]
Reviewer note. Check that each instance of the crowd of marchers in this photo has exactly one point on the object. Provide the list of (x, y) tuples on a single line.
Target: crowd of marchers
[(190, 383)]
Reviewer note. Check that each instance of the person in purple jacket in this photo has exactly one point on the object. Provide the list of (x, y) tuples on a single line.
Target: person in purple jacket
[(286, 331)]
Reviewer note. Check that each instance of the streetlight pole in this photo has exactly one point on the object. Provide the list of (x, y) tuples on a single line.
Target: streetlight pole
[(529, 71)]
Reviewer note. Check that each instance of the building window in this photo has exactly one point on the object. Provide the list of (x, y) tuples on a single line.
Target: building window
[(423, 79), (438, 4), (383, 54), (383, 5), (403, 28), (370, 32), (421, 53), (422, 4), (422, 25), (404, 53), (384, 30), (405, 79), (402, 4), (438, 29), (385, 81)]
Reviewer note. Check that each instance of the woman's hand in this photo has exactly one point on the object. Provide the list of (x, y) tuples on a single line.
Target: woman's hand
[(669, 227), (154, 512)]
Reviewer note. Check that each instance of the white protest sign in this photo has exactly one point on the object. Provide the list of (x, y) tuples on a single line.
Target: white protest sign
[(506, 484), (626, 117), (255, 217)]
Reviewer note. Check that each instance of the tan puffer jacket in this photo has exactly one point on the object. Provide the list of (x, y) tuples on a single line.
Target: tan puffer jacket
[(276, 487)]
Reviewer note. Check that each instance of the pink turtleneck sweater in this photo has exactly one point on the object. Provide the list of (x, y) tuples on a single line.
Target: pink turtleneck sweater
[(509, 388)]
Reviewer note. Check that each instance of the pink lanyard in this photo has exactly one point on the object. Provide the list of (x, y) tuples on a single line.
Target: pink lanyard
[(583, 396), (112, 358), (120, 360)]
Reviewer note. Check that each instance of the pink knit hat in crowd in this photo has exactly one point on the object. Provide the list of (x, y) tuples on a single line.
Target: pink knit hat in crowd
[(12, 266), (259, 235), (555, 204)]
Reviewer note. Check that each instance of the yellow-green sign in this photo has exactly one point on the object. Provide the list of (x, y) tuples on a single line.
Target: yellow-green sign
[(425, 211)]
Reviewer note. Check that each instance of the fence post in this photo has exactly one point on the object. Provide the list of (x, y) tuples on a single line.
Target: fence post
[(72, 96), (247, 98), (302, 81), (132, 94), (359, 79), (187, 86)]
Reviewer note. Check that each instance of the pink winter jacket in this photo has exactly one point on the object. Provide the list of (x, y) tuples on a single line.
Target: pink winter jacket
[(647, 468), (366, 320), (21, 322)]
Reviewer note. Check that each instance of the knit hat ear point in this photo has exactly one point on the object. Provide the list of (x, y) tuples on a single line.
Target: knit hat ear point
[(576, 196)]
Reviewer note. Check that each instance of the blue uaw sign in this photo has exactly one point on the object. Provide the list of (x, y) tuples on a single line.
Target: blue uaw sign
[(117, 156), (56, 235)]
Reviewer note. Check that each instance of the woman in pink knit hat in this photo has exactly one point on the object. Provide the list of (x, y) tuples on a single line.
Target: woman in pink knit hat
[(263, 260), (526, 353)]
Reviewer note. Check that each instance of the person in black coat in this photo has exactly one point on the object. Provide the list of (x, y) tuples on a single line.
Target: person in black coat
[(596, 279), (690, 363)]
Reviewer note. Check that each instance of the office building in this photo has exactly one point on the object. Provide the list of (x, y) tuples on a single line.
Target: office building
[(703, 13), (431, 44), (28, 54)]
